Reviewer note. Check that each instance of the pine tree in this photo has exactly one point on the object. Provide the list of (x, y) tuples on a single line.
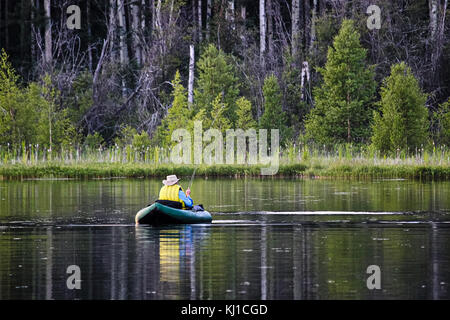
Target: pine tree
[(216, 76), (218, 120), (343, 109), (402, 123), (244, 113), (178, 114), (274, 117)]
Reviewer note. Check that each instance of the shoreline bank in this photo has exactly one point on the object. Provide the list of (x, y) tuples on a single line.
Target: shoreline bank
[(333, 170)]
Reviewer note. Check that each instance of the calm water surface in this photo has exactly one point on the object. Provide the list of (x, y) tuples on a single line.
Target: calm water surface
[(270, 239)]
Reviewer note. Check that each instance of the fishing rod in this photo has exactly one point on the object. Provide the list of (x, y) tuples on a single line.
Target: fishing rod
[(192, 178)]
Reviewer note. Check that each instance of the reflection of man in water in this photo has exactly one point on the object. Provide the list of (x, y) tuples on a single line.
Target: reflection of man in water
[(172, 194)]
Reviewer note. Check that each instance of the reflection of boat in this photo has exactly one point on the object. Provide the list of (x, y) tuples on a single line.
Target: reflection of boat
[(170, 258), (158, 213)]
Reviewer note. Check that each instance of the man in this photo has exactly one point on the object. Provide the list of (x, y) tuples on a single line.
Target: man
[(172, 194)]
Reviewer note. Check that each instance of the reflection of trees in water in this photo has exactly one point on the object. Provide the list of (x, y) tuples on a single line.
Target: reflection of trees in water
[(263, 261)]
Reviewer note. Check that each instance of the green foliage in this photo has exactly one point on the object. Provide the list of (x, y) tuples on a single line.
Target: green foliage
[(54, 126), (219, 120), (244, 114), (326, 29), (442, 120), (30, 115), (141, 141), (17, 116), (216, 76), (274, 117), (343, 102), (80, 100), (178, 114), (402, 123), (125, 136), (94, 141)]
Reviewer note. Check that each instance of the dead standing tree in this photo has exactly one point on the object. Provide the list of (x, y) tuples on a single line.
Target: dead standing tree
[(437, 13)]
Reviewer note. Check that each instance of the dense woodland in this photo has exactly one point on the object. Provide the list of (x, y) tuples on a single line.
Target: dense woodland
[(137, 70)]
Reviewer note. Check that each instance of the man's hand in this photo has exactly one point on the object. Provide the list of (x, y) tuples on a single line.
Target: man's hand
[(188, 192)]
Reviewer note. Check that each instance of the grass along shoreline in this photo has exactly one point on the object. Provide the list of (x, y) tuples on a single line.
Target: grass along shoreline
[(321, 168)]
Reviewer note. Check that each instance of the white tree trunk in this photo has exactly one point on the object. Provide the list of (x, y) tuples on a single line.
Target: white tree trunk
[(191, 74), (143, 16), (123, 32), (243, 13), (158, 14), (262, 30), (230, 13), (304, 75), (136, 32), (433, 4), (295, 32), (437, 28), (48, 32)]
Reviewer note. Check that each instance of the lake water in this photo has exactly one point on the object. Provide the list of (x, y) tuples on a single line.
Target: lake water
[(270, 239)]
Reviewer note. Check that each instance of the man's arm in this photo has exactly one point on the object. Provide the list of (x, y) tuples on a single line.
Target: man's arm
[(186, 199)]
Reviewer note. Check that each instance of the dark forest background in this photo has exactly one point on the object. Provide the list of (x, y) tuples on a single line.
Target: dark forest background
[(116, 77)]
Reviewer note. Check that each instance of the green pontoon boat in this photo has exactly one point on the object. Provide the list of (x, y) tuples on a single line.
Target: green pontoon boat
[(158, 213)]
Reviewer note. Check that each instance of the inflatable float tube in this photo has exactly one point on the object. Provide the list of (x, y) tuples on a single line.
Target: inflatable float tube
[(158, 213)]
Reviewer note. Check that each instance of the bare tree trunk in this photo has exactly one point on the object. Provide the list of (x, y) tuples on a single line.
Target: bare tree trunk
[(33, 31), (269, 17), (262, 30), (199, 20), (157, 27), (295, 32), (123, 49), (437, 28), (143, 15), (230, 13), (153, 15), (433, 4), (243, 13), (136, 26), (191, 74), (113, 28), (144, 32), (322, 7), (304, 75), (48, 32), (89, 31), (306, 24), (123, 33), (313, 27), (208, 18)]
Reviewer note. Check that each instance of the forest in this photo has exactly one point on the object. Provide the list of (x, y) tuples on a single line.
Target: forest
[(122, 75)]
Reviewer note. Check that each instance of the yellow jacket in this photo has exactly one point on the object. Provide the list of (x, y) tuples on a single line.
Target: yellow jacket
[(171, 193)]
